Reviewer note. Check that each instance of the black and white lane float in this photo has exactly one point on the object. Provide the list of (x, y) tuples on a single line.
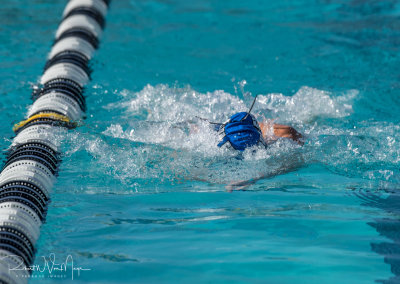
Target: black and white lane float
[(32, 161)]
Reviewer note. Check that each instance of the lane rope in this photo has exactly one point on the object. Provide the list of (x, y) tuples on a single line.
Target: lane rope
[(33, 159)]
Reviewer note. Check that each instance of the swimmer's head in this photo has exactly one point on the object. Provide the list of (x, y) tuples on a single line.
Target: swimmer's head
[(241, 131)]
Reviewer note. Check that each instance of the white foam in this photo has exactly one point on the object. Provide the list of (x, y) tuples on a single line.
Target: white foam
[(154, 139), (306, 105)]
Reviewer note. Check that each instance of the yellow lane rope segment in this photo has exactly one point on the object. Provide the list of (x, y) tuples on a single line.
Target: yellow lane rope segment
[(51, 115)]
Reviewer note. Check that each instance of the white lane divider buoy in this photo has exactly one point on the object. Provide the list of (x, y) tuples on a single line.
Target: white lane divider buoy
[(98, 6), (73, 43), (82, 21)]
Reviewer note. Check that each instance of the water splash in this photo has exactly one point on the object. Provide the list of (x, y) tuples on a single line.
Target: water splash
[(157, 139), (307, 105)]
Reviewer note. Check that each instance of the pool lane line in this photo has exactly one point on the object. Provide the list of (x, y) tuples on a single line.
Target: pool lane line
[(33, 159)]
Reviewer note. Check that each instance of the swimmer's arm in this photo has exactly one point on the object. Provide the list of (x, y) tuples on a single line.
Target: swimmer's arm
[(286, 131), (281, 130)]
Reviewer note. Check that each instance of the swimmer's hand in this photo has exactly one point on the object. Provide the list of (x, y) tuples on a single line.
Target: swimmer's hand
[(244, 184), (239, 185)]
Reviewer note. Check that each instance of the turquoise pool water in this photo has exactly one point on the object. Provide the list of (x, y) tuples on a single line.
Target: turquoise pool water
[(141, 199)]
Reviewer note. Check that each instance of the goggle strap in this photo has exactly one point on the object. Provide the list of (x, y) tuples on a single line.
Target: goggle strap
[(252, 105)]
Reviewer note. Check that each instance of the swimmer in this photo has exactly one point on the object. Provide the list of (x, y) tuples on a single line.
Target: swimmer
[(243, 130)]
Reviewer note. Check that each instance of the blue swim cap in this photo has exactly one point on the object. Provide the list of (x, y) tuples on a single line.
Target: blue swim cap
[(241, 131)]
